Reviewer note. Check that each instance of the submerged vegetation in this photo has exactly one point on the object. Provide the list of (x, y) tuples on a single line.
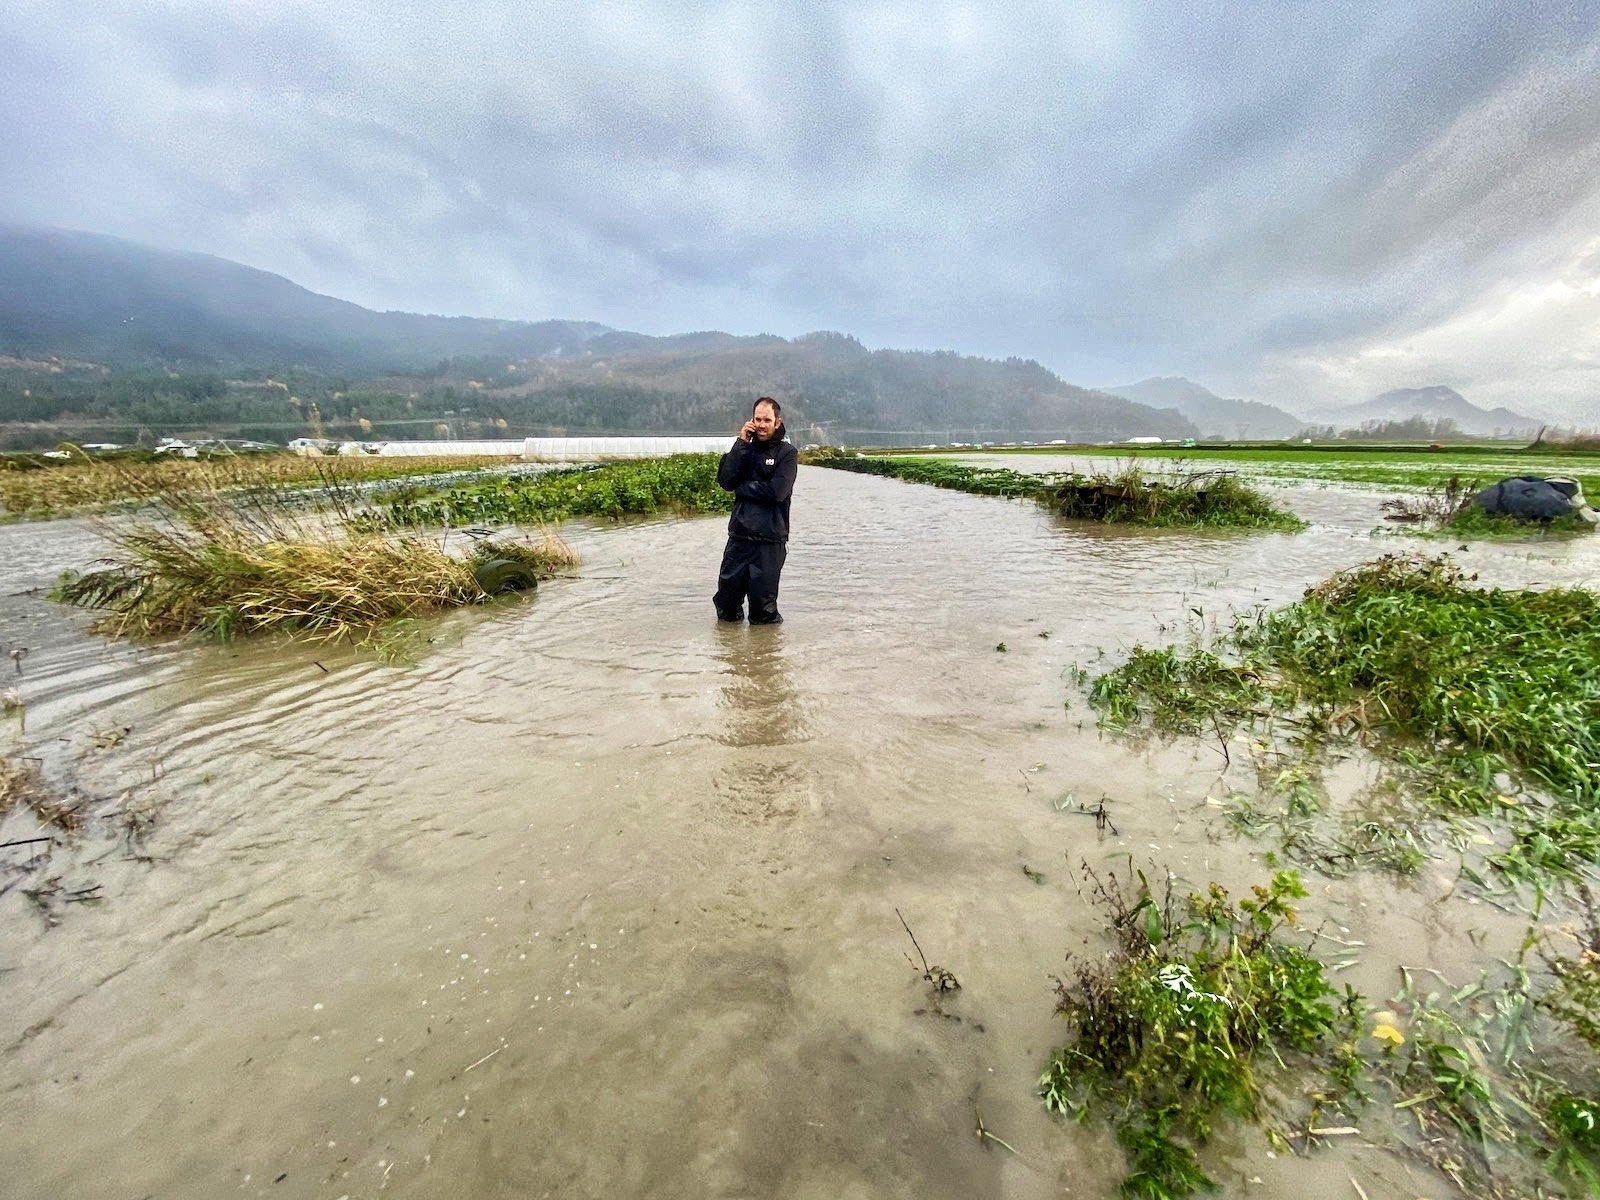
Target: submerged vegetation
[(681, 483), (1413, 467), (1463, 689), (1130, 496), (1486, 1091), (1208, 1010), (226, 564)]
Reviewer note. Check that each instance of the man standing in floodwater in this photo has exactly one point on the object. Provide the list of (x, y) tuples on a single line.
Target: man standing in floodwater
[(759, 470)]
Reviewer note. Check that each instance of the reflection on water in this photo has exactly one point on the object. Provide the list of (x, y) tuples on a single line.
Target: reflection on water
[(597, 898), (762, 718), (758, 693)]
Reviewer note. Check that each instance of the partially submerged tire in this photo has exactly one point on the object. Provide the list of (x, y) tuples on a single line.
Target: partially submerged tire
[(499, 575)]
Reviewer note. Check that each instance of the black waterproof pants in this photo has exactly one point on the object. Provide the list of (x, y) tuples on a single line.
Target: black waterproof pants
[(750, 569)]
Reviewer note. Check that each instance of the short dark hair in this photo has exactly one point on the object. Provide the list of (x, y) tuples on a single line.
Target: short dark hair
[(777, 409)]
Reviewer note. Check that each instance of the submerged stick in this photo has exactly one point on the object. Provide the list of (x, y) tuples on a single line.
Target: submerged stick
[(913, 937), (1102, 817), (985, 1136), (943, 980), (485, 1058)]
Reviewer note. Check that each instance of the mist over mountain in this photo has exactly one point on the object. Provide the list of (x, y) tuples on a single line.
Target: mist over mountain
[(1435, 403), (130, 316), (1214, 415), (83, 295)]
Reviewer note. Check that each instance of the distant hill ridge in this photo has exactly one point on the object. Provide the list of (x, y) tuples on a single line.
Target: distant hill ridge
[(1435, 402), (1216, 416), (90, 297)]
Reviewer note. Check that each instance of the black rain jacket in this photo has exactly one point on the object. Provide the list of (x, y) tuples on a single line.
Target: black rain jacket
[(761, 476)]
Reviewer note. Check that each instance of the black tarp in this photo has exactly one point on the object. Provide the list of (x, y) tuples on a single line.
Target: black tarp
[(1528, 498)]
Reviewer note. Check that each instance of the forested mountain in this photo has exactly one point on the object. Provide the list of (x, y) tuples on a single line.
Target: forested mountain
[(85, 296), (832, 389), (826, 379), (100, 338), (1216, 416)]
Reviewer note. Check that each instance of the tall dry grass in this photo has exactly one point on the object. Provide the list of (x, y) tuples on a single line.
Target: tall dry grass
[(18, 782), (225, 563), (88, 484)]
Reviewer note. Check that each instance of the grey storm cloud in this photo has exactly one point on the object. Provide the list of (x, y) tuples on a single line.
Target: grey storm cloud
[(1286, 198)]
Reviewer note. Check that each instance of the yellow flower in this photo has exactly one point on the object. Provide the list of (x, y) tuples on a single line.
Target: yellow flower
[(1385, 1032)]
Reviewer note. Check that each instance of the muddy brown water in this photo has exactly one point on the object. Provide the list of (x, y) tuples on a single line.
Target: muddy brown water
[(598, 897)]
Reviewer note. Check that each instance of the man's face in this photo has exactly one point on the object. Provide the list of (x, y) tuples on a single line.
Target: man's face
[(765, 421)]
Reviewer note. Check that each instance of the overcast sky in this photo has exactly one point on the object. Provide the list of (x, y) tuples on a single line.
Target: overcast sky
[(1298, 203)]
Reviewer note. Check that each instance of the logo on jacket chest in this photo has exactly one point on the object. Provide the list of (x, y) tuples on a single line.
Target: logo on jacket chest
[(772, 462)]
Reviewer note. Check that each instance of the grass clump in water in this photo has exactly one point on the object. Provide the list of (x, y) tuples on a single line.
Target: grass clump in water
[(1406, 645), (1127, 497), (681, 483), (1178, 691), (223, 566), (1180, 1026), (1204, 499)]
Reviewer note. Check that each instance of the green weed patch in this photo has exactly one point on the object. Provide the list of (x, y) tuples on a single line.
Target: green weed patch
[(1473, 522), (1458, 685), (980, 481), (682, 483), (1391, 467), (1127, 497)]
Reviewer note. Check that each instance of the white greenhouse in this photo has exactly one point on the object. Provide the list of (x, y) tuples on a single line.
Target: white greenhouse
[(602, 449), (535, 449)]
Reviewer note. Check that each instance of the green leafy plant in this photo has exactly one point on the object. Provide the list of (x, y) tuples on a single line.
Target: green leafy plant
[(1177, 1028), (681, 483)]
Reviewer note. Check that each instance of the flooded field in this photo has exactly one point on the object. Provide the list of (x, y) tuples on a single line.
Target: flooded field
[(598, 897), (1397, 469)]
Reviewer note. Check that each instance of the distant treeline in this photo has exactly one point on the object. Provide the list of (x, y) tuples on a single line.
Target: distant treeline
[(827, 382), (1411, 429)]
